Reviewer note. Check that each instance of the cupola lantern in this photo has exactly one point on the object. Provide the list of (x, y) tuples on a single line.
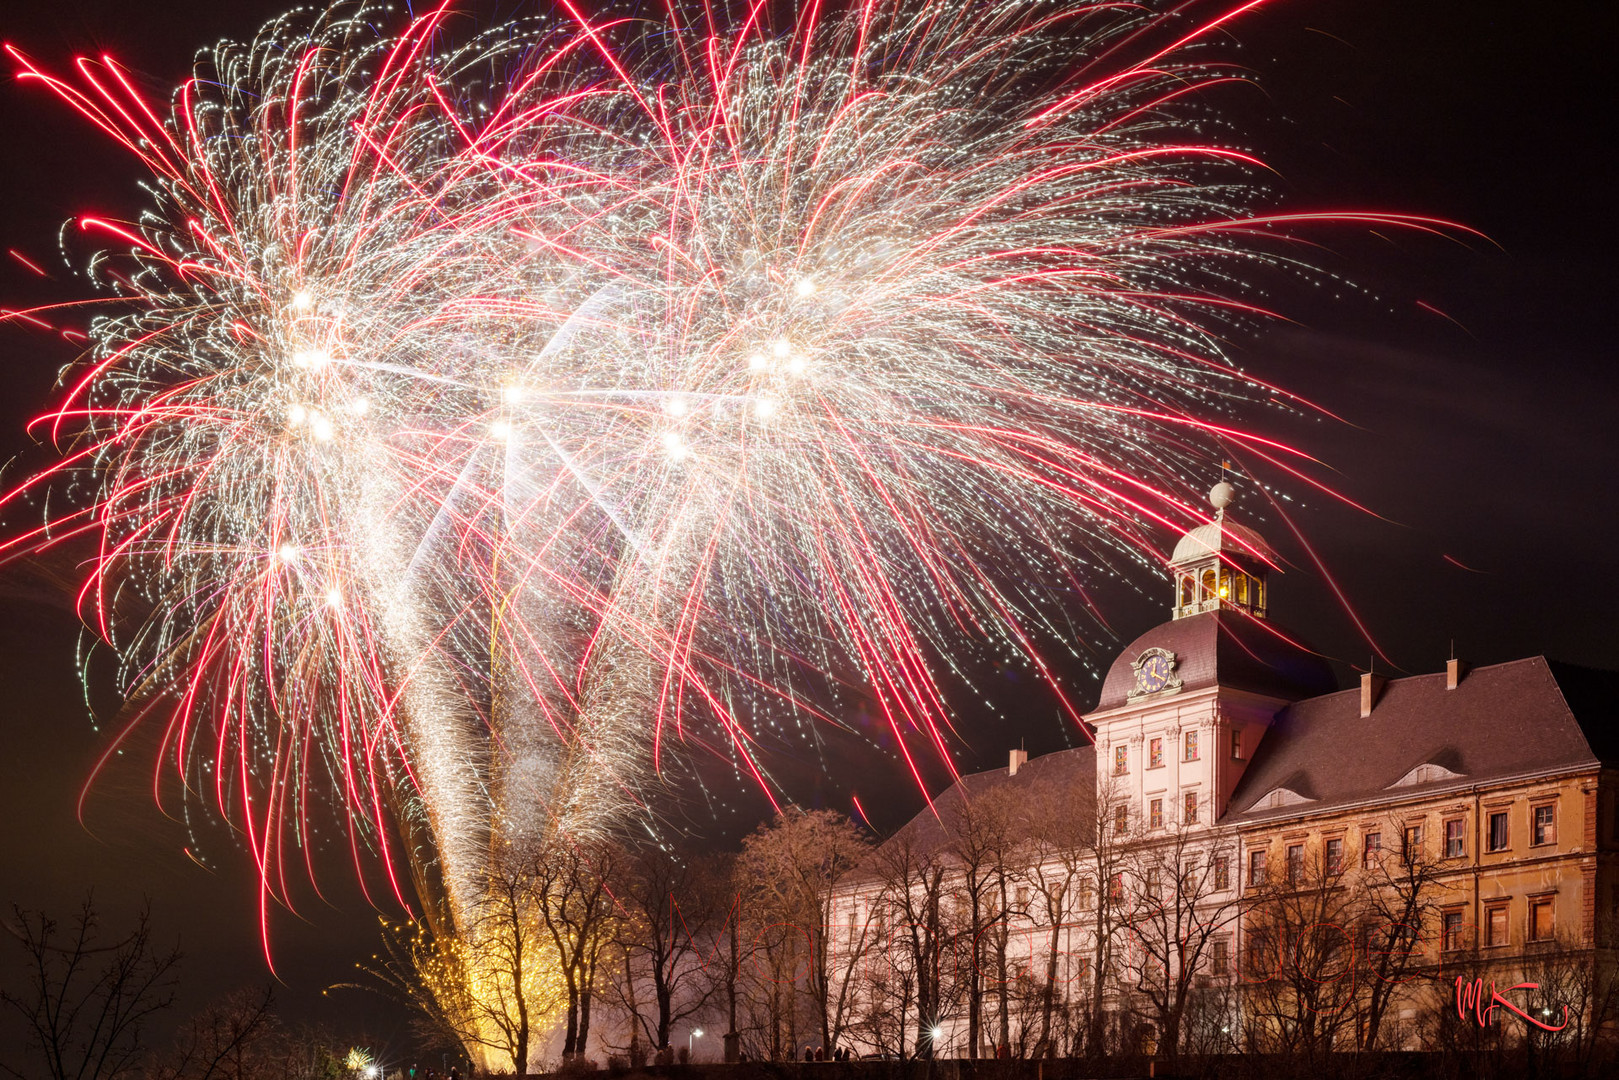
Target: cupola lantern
[(1220, 564)]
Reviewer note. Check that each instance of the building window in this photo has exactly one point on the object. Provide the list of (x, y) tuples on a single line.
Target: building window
[(1295, 863), (1261, 950), (1372, 854), (1411, 844), (1498, 831), (1121, 760), (1155, 753), (1256, 868), (1189, 813), (1222, 871), (1121, 820), (1335, 854), (1454, 846), (1452, 933), (1155, 814), (1545, 825), (1495, 925), (1220, 957), (1236, 745), (1191, 746), (1115, 889), (1540, 919), (1023, 898)]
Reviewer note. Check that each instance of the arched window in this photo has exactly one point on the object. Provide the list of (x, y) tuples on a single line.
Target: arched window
[(1239, 592), (1186, 590), (1209, 592)]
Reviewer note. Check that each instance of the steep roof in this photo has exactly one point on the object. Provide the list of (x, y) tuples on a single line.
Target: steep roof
[(1229, 648), (1513, 719), (1074, 769)]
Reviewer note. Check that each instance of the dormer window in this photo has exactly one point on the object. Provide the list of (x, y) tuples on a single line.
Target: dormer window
[(1427, 773)]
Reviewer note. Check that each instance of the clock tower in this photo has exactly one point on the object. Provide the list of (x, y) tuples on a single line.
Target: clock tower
[(1185, 707)]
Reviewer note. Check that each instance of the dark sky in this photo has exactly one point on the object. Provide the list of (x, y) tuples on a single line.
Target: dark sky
[(1488, 436)]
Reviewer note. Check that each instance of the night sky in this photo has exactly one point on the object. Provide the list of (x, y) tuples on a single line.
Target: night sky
[(1485, 437)]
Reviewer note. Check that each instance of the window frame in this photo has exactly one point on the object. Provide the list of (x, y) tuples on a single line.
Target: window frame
[(1155, 813), (1189, 808), (1256, 867), (1121, 820), (1334, 861), (1504, 816), (1293, 857), (1189, 747), (1155, 753), (1533, 934), (1452, 921), (1236, 744), (1371, 848), (1121, 760), (1504, 908), (1459, 841), (1539, 837), (1222, 872), (1410, 843)]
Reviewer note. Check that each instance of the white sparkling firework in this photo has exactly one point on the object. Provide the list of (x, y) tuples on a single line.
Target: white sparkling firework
[(484, 419)]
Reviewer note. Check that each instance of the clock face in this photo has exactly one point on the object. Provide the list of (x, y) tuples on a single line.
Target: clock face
[(1154, 672)]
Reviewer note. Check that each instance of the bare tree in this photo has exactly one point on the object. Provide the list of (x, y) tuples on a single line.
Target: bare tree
[(1399, 896), (1178, 909), (579, 913), (226, 1041), (1300, 973), (983, 839), (674, 908), (84, 1001), (786, 873), (905, 985), (1103, 901), (1059, 826)]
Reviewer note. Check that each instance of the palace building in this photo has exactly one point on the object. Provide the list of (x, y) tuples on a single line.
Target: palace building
[(1251, 858)]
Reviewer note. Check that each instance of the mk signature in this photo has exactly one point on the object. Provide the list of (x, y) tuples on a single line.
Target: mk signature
[(1470, 998)]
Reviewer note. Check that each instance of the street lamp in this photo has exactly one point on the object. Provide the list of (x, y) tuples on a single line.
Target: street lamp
[(697, 1033)]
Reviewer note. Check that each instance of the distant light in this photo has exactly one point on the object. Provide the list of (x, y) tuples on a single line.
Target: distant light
[(936, 1034), (312, 358), (287, 552), (699, 1031), (676, 406), (675, 445), (301, 300), (764, 408), (296, 415), (321, 426), (797, 365), (804, 287), (500, 430), (513, 394), (757, 362), (359, 406), (781, 348), (371, 1071), (334, 598)]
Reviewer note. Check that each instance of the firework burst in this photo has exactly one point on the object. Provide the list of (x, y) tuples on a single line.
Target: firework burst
[(481, 420)]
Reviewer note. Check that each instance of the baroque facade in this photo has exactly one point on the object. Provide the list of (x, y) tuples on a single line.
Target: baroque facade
[(1251, 858)]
